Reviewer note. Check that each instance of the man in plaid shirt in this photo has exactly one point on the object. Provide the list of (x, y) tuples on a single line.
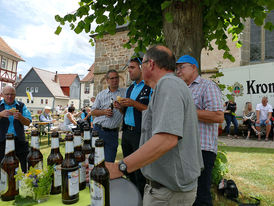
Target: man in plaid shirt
[(208, 100)]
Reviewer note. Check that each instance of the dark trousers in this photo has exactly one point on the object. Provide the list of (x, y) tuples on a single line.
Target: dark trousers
[(249, 124), (21, 151), (130, 143), (110, 143), (231, 118), (203, 197)]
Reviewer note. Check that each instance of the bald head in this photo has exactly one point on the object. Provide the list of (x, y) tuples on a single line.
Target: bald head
[(9, 93), (162, 56), (8, 88)]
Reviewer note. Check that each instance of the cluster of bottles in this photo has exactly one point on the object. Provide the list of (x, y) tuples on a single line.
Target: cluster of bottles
[(69, 173)]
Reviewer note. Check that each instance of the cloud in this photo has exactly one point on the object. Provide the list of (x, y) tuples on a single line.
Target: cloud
[(32, 37)]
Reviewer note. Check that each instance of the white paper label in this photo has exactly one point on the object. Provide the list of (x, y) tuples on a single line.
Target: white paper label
[(4, 187), (93, 141), (99, 155), (97, 194), (77, 141), (69, 147), (73, 182), (57, 176), (54, 143), (35, 142), (86, 135), (82, 169), (9, 146)]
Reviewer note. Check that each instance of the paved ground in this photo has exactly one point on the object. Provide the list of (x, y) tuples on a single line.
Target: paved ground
[(241, 142)]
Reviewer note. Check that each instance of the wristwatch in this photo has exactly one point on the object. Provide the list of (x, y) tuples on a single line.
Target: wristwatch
[(123, 167)]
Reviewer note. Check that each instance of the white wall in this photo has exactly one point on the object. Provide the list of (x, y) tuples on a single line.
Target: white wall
[(263, 77), (36, 105)]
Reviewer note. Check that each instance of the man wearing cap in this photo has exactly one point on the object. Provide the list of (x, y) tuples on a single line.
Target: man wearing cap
[(14, 115), (46, 117), (169, 135), (208, 100), (136, 101)]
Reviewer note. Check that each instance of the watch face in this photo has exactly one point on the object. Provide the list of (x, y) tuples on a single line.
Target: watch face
[(123, 167)]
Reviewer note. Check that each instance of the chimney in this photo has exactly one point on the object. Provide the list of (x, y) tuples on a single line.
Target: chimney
[(56, 77), (20, 77)]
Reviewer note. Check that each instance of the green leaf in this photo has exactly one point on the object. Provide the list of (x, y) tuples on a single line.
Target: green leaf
[(80, 27), (101, 19), (120, 20), (58, 30), (87, 28), (57, 18), (165, 4), (169, 17)]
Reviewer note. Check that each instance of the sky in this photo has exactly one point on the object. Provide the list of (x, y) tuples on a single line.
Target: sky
[(28, 27)]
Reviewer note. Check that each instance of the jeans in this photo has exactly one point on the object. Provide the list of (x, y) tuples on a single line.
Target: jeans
[(204, 182), (231, 118), (166, 197), (110, 143)]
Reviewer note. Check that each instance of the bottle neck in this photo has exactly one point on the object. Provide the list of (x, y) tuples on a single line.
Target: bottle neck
[(9, 146), (35, 142), (77, 141), (87, 135), (69, 147), (99, 156), (93, 141), (55, 143)]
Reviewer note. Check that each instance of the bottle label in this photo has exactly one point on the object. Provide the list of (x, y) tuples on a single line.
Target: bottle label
[(97, 193), (39, 166), (99, 155), (57, 176), (93, 141), (82, 170), (69, 147), (54, 143), (9, 146), (77, 141), (4, 187), (86, 135), (73, 182), (35, 142)]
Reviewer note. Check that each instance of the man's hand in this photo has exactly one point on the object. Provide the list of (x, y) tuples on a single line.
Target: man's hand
[(113, 169), (117, 105), (17, 115), (258, 121), (127, 102), (5, 113), (108, 112), (267, 121)]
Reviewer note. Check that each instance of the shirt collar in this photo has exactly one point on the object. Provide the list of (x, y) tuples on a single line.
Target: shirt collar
[(141, 82), (196, 81), (108, 90), (3, 102)]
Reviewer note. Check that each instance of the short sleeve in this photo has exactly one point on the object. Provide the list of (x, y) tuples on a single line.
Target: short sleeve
[(26, 113), (213, 98), (258, 107)]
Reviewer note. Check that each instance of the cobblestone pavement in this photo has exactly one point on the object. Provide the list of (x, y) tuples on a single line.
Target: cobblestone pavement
[(242, 142)]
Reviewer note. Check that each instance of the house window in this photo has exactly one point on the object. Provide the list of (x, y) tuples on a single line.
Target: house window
[(27, 89), (42, 101), (86, 102), (4, 63), (32, 89), (46, 101), (87, 88), (27, 100), (261, 41), (36, 89), (32, 101), (20, 99)]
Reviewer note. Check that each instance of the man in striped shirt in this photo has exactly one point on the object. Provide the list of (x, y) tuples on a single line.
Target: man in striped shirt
[(208, 100), (107, 118)]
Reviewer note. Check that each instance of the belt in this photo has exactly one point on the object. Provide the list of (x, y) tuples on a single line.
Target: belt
[(106, 129), (131, 128), (154, 184)]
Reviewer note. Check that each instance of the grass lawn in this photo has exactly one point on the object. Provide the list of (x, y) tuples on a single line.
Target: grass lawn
[(251, 168)]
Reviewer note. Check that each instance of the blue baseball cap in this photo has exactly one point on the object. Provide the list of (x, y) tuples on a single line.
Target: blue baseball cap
[(187, 59)]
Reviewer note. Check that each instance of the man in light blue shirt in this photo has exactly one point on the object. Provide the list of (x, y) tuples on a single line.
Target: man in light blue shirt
[(14, 115)]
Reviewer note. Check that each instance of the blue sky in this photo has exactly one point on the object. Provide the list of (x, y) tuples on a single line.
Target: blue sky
[(28, 27)]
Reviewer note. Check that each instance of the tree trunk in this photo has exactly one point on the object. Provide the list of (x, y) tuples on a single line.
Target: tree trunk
[(184, 35)]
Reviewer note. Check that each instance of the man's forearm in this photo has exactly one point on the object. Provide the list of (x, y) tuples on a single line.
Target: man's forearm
[(153, 149), (139, 106), (97, 113), (24, 121), (210, 116)]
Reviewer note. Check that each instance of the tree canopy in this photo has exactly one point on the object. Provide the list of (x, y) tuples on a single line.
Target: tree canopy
[(185, 26)]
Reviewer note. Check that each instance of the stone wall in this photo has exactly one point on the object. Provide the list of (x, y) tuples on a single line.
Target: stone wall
[(110, 54)]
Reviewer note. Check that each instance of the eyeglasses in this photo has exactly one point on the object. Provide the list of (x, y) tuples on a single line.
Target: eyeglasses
[(10, 94), (182, 66), (112, 78), (146, 61)]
